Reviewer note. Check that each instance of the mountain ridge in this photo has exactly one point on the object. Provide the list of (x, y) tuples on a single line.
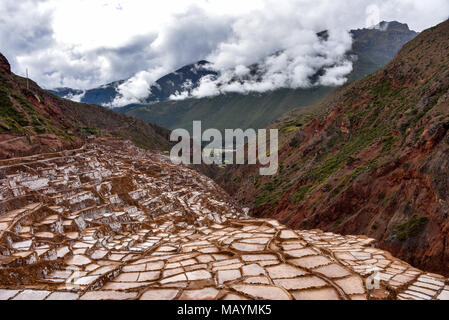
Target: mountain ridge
[(374, 49), (163, 90)]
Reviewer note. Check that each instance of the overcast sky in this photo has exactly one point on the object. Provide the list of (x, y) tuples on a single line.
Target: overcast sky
[(87, 43)]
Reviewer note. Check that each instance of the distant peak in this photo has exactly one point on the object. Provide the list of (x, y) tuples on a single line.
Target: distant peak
[(392, 25), (199, 64), (202, 62)]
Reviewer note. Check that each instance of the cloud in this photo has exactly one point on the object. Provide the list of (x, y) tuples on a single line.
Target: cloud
[(372, 15), (24, 28), (295, 66), (287, 55), (87, 43), (75, 97), (136, 88), (188, 38)]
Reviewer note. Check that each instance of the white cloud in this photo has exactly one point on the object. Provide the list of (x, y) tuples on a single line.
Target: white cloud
[(336, 76), (87, 43), (303, 54), (207, 88), (136, 88), (75, 97), (130, 91)]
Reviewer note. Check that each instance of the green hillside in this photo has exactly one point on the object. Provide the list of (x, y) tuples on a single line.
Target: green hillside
[(231, 110)]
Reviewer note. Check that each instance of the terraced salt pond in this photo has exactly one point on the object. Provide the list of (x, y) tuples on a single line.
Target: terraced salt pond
[(111, 221)]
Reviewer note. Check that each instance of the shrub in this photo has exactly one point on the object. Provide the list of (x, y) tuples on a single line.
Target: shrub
[(411, 228)]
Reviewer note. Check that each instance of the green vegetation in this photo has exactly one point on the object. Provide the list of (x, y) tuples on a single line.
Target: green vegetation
[(289, 127), (411, 228), (301, 193), (338, 223), (237, 179), (372, 165), (89, 131), (9, 114), (371, 122), (388, 143), (335, 162), (338, 189), (40, 130), (382, 88), (254, 110), (141, 146), (270, 193), (414, 120), (256, 180)]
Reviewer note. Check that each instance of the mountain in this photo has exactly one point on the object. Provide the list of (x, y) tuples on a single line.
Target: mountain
[(68, 93), (160, 91), (372, 159), (33, 120), (93, 96), (373, 49), (377, 46)]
